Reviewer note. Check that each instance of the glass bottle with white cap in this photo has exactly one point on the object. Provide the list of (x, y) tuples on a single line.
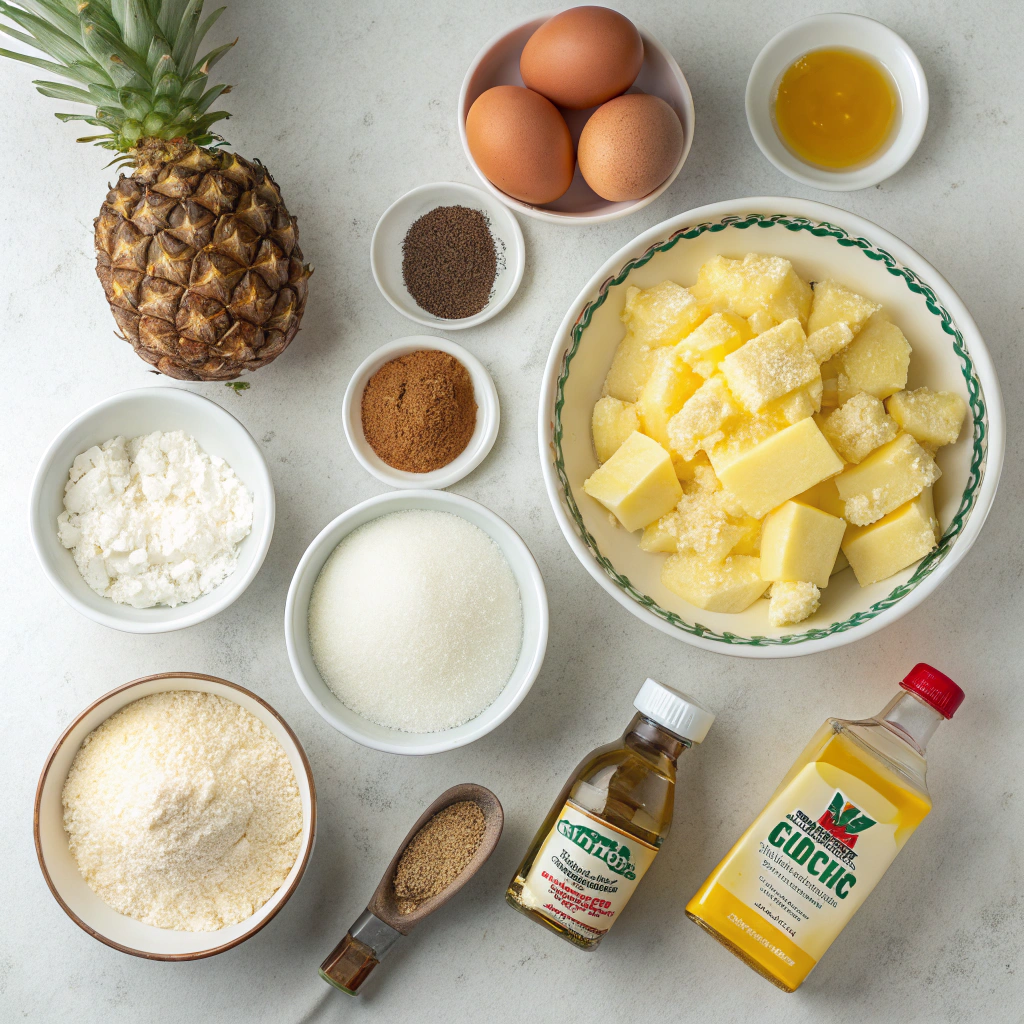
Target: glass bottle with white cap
[(608, 823)]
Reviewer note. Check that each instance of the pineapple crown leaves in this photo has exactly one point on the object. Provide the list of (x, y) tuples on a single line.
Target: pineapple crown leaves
[(133, 61)]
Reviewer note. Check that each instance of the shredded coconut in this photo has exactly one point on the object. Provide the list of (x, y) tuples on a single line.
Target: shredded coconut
[(154, 520), (416, 621), (182, 811)]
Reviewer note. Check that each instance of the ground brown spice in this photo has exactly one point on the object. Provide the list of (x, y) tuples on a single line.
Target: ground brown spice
[(449, 262), (438, 854), (419, 411)]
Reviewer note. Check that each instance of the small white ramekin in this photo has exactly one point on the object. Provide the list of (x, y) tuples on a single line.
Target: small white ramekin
[(845, 31), (488, 416), (132, 414), (390, 232), (57, 863), (531, 654)]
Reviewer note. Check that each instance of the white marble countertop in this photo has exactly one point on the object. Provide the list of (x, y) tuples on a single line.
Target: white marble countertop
[(350, 106)]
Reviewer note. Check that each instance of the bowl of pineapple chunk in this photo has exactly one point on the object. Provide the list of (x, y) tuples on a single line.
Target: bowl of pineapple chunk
[(769, 427)]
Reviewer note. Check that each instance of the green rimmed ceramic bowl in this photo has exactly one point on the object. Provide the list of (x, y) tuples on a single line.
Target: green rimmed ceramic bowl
[(821, 241)]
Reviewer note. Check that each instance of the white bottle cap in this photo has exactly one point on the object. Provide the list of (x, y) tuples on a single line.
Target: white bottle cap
[(680, 715)]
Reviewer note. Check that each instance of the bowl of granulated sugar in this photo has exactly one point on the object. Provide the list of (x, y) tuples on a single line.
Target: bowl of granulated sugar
[(416, 622)]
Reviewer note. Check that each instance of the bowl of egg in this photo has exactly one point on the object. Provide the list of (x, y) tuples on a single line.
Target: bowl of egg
[(769, 442), (576, 117)]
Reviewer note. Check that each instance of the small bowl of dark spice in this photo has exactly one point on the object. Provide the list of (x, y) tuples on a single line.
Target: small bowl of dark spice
[(447, 255), (421, 412)]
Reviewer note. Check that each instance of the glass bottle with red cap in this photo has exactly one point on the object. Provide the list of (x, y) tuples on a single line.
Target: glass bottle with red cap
[(845, 809)]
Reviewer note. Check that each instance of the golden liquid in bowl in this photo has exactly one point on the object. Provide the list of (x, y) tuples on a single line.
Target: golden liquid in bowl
[(836, 108)]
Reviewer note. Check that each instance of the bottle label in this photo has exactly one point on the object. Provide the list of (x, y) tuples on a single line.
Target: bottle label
[(812, 857), (585, 872)]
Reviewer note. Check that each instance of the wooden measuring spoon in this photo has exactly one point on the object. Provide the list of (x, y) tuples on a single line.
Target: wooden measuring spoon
[(380, 926)]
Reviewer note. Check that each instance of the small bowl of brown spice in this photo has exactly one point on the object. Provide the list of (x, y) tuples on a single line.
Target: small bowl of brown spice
[(447, 255), (421, 412)]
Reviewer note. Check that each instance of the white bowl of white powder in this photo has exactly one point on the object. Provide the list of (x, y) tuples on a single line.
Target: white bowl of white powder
[(227, 457), (416, 622), (171, 790)]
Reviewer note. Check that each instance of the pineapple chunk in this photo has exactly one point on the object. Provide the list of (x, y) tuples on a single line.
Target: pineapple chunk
[(663, 314), (830, 392), (824, 496), (797, 405), (755, 284), (893, 542), (800, 543), (705, 526), (702, 418), (891, 475), (728, 586), (834, 303), (791, 603), (770, 366), (670, 384), (705, 347), (860, 426), (876, 361), (686, 469), (749, 542), (637, 484), (827, 342), (778, 468), (932, 417), (759, 321), (612, 422), (743, 434), (662, 534), (830, 371), (631, 366)]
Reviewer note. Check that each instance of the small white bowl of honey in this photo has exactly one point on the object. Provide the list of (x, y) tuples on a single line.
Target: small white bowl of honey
[(837, 101)]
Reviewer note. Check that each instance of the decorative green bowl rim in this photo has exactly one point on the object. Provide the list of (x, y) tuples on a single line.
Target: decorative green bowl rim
[(914, 283)]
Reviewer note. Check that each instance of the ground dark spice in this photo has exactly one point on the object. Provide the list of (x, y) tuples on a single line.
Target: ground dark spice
[(438, 854), (419, 411), (449, 262)]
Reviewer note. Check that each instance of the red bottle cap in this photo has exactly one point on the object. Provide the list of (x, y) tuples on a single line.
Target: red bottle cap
[(934, 688)]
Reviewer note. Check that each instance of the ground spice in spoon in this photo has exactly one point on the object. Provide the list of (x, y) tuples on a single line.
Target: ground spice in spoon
[(438, 854), (419, 411), (449, 262)]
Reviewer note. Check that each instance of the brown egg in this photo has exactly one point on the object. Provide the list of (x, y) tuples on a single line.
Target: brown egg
[(629, 146), (521, 143), (582, 57)]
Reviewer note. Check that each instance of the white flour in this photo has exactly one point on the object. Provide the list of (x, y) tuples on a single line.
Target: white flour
[(154, 520), (182, 811)]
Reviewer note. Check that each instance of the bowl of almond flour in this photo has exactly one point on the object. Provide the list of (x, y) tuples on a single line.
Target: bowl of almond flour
[(175, 816)]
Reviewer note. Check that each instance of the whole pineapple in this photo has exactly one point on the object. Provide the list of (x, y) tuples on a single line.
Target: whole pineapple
[(196, 251)]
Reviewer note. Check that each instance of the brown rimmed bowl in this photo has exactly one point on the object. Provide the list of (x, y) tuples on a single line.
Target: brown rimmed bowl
[(61, 872)]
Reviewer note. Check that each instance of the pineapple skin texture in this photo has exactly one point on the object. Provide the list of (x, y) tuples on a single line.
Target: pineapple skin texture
[(200, 263)]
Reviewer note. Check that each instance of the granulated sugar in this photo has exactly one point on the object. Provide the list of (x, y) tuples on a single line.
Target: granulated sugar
[(182, 811), (416, 621)]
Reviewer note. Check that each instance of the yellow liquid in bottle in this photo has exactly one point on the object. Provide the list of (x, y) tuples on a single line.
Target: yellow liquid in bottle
[(836, 108), (775, 906)]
